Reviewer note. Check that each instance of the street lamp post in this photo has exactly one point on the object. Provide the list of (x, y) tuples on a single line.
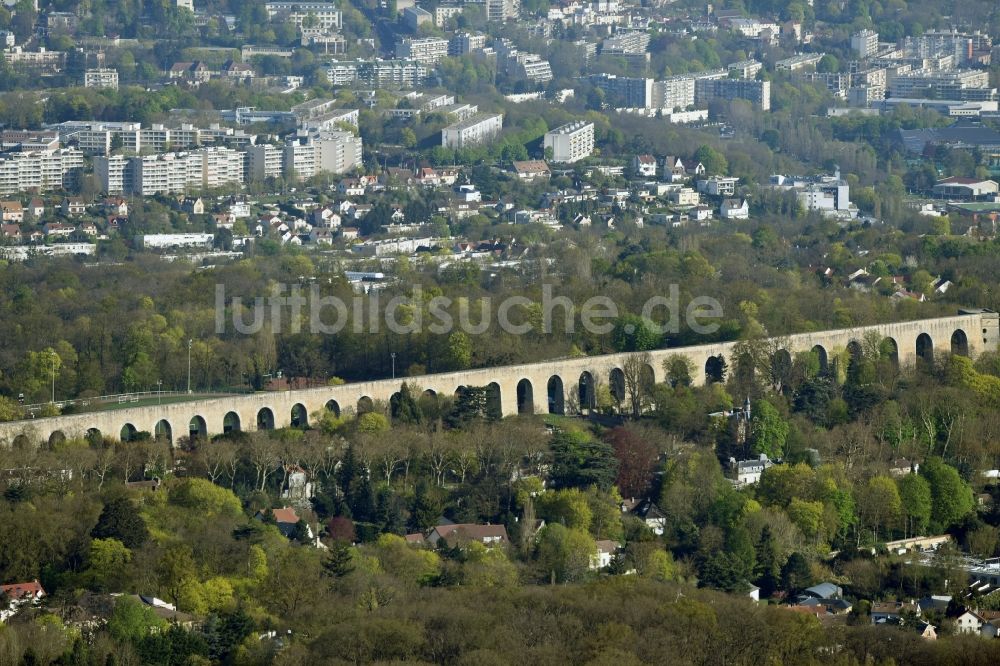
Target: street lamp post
[(190, 342), (53, 379), (393, 355), (159, 383)]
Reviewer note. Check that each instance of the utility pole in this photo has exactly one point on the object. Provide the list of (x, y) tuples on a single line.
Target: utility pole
[(159, 383), (53, 378), (393, 355), (190, 342)]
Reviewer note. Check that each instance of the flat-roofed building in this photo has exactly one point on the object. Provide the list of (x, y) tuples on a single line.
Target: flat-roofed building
[(571, 142), (480, 128)]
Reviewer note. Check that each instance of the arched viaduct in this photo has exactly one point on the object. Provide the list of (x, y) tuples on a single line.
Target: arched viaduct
[(535, 387)]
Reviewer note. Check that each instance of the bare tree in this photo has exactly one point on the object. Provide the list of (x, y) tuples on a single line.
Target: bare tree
[(263, 453), (638, 371), (215, 459)]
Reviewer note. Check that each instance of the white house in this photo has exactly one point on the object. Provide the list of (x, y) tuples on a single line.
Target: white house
[(606, 550), (748, 472), (644, 165), (968, 622), (735, 209), (18, 595)]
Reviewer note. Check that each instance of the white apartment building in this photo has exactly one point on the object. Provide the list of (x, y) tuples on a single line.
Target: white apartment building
[(170, 173), (427, 50), (221, 167), (391, 73), (798, 61), (959, 84), (101, 78), (163, 241), (572, 142), (865, 43), (110, 173), (480, 128), (262, 162), (42, 170), (444, 12), (324, 14), (675, 92), (307, 153)]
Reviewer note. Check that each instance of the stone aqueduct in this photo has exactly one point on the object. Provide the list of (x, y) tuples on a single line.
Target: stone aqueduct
[(535, 387)]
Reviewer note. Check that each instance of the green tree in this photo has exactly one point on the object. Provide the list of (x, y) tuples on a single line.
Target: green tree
[(563, 554), (121, 520), (768, 430), (106, 560), (915, 497), (579, 461), (951, 497), (715, 162), (633, 333), (372, 422), (132, 620)]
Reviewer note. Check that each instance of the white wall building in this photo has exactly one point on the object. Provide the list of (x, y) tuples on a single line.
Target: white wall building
[(480, 128), (572, 142), (101, 78)]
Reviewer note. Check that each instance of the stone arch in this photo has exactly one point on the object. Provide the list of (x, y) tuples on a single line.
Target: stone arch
[(959, 343), (889, 349), (333, 406), (94, 436), (855, 356), (494, 401), (163, 430), (587, 391), (925, 348), (647, 377), (525, 397), (430, 393), (556, 395), (21, 442), (365, 405), (197, 428), (822, 356), (265, 419), (230, 423), (299, 416), (616, 382), (128, 433), (715, 369), (57, 437)]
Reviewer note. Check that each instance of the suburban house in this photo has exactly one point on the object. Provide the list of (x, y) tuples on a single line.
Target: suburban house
[(902, 467), (73, 206), (748, 472), (735, 209), (321, 236), (36, 207), (18, 595), (458, 534), (13, 211), (192, 206), (957, 187), (606, 550), (969, 622), (10, 233), (116, 206), (673, 169), (531, 169), (56, 229), (286, 520), (655, 519), (644, 165), (891, 612)]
